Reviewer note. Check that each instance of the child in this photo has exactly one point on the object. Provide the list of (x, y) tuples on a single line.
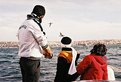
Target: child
[(94, 65), (66, 69)]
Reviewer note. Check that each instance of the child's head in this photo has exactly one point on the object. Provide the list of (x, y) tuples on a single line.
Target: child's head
[(66, 40), (99, 49)]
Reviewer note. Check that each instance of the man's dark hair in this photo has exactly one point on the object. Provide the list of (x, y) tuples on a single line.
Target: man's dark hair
[(39, 10)]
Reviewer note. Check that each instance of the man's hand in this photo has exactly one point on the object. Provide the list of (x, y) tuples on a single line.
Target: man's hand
[(48, 52)]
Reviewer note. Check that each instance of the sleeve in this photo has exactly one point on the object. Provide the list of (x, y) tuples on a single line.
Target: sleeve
[(83, 65), (77, 57), (41, 39), (38, 35), (74, 76), (105, 76)]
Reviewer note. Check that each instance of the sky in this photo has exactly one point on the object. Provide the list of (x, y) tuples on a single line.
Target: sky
[(78, 19)]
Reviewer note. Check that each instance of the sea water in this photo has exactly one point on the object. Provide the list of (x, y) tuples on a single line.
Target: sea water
[(10, 70)]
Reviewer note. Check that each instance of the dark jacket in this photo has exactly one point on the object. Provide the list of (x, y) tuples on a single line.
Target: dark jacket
[(63, 65)]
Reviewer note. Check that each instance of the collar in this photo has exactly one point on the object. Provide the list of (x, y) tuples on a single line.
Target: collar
[(33, 16), (66, 49)]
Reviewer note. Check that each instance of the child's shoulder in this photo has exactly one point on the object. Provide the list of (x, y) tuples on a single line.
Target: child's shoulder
[(67, 55)]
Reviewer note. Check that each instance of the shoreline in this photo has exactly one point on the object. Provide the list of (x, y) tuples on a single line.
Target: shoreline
[(14, 44)]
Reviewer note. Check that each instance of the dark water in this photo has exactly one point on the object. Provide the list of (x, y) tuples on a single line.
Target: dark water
[(10, 71)]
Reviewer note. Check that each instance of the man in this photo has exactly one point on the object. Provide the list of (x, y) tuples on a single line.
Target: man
[(32, 45)]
